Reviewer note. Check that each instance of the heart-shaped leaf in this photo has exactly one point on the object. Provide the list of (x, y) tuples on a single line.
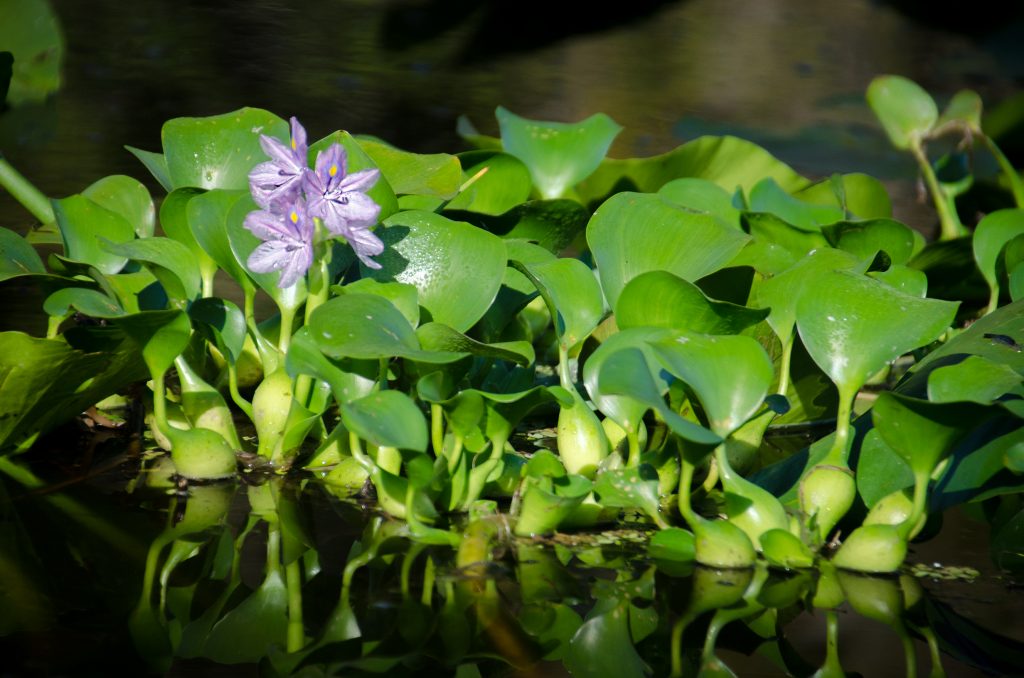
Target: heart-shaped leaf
[(768, 197), (160, 335), (223, 323), (92, 303), (437, 174), (976, 379), (864, 239), (17, 256), (991, 235), (570, 286), (661, 299), (156, 163), (502, 183), (82, 223), (701, 195), (861, 324), (174, 221), (729, 374), (347, 378), (624, 409), (631, 488), (172, 263), (218, 151), (441, 338), (558, 155), (127, 197), (207, 215), (858, 194), (768, 228), (633, 233), (405, 297)]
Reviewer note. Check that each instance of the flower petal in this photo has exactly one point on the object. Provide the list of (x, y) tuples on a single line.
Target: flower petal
[(298, 139), (331, 165), (360, 181), (365, 243), (266, 226), (272, 255), (279, 153), (299, 262)]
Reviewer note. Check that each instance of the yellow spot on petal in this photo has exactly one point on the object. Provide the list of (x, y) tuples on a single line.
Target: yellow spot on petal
[(294, 217), (333, 170), (293, 144)]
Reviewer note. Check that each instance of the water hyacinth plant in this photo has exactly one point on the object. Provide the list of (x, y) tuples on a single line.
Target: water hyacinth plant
[(662, 316)]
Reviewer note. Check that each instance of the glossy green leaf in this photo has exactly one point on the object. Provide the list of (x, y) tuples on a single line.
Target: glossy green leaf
[(387, 419), (991, 235), (551, 224), (995, 336), (864, 239), (218, 151), (860, 325), (769, 228), (906, 111), (127, 197), (729, 374), (156, 163), (922, 432), (603, 647), (558, 155), (223, 323), (624, 409), (17, 256), (858, 194), (504, 184), (626, 373), (347, 378), (630, 488), (516, 289), (441, 338), (29, 30), (702, 195), (548, 501), (172, 263), (362, 326), (976, 472), (976, 379), (92, 303), (429, 251), (207, 215), (571, 287), (673, 543), (880, 469), (660, 299), (437, 174), (243, 243), (768, 196), (633, 233), (358, 160), (405, 297), (82, 223), (727, 161), (905, 279)]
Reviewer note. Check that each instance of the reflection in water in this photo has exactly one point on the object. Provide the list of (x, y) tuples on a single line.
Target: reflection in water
[(280, 573)]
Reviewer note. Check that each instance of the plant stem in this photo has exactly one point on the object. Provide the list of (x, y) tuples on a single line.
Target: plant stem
[(242, 403), (787, 355), (22, 190), (685, 481), (437, 428), (951, 228), (837, 456), (634, 447), (284, 339), (921, 481)]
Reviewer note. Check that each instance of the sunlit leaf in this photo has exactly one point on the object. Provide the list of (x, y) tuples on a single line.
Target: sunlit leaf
[(424, 174), (660, 299), (17, 256), (503, 185), (387, 418), (702, 195), (82, 223), (172, 263), (906, 111), (127, 197), (575, 293), (976, 379)]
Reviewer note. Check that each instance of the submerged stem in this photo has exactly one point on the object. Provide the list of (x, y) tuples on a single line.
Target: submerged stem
[(293, 582)]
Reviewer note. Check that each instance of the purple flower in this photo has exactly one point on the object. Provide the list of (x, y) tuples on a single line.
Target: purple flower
[(287, 246), (340, 200), (276, 184)]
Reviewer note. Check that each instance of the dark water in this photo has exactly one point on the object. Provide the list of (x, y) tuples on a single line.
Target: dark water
[(789, 74)]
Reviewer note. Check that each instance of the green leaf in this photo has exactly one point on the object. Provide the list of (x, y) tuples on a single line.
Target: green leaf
[(880, 469), (994, 336), (223, 323), (905, 279), (387, 419), (172, 263), (558, 155), (431, 252), (347, 380), (630, 488), (651, 384), (862, 324), (603, 647), (701, 195), (858, 194), (82, 223), (546, 503), (768, 197), (160, 335), (502, 187), (156, 163), (218, 151), (864, 239), (405, 297), (362, 326), (441, 338), (769, 228), (922, 432), (965, 107), (17, 256), (29, 30), (87, 301), (552, 224), (437, 174), (727, 161), (127, 197), (976, 379), (991, 235), (575, 293), (633, 233), (906, 111), (660, 299), (626, 373), (729, 374)]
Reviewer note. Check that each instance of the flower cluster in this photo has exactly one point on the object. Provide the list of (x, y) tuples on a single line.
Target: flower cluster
[(291, 195)]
